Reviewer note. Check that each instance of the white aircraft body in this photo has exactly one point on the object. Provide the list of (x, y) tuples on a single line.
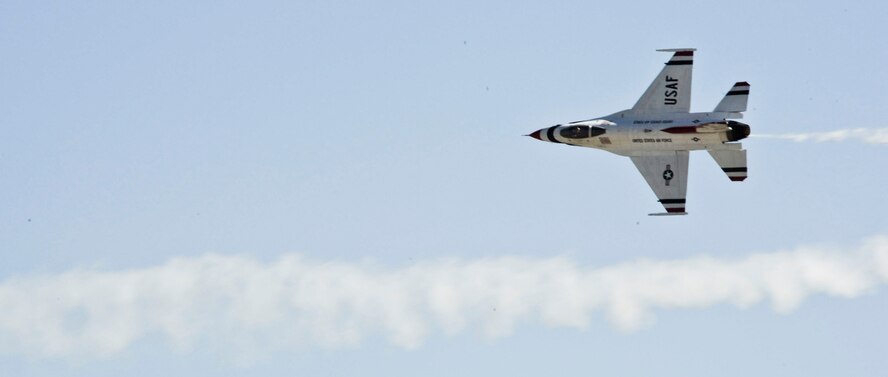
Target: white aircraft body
[(659, 132)]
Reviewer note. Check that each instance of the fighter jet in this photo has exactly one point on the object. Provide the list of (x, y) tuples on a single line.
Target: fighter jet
[(659, 132)]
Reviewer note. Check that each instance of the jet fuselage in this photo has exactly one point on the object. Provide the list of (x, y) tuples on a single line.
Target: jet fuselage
[(628, 134)]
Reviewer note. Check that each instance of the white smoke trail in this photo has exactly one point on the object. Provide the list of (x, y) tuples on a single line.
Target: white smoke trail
[(865, 135), (236, 302)]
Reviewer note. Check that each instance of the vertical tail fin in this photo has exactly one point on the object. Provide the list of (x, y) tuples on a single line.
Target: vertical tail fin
[(735, 100)]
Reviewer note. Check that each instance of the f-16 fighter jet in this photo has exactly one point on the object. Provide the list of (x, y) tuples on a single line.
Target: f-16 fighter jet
[(659, 132)]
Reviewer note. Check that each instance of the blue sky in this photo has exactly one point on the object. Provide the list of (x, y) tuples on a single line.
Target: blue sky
[(382, 136)]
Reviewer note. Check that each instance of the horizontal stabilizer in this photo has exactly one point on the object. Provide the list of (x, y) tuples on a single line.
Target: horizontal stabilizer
[(732, 162), (735, 100)]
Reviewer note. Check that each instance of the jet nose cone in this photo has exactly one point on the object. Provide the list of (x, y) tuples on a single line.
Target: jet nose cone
[(535, 134)]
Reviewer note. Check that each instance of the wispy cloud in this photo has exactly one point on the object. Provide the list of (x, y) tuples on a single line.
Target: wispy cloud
[(239, 303), (864, 135)]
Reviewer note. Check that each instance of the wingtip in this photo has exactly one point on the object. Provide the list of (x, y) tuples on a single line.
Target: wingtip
[(668, 214), (676, 49)]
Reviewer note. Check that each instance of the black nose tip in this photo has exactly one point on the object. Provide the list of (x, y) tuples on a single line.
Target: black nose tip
[(535, 135)]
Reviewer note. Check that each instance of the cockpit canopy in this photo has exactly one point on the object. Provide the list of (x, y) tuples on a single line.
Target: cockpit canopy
[(580, 132)]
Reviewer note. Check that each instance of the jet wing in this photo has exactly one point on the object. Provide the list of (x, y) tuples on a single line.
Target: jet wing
[(671, 90), (667, 174)]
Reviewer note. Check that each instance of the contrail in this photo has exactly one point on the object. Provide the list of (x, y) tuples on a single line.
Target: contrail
[(865, 135), (237, 303)]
